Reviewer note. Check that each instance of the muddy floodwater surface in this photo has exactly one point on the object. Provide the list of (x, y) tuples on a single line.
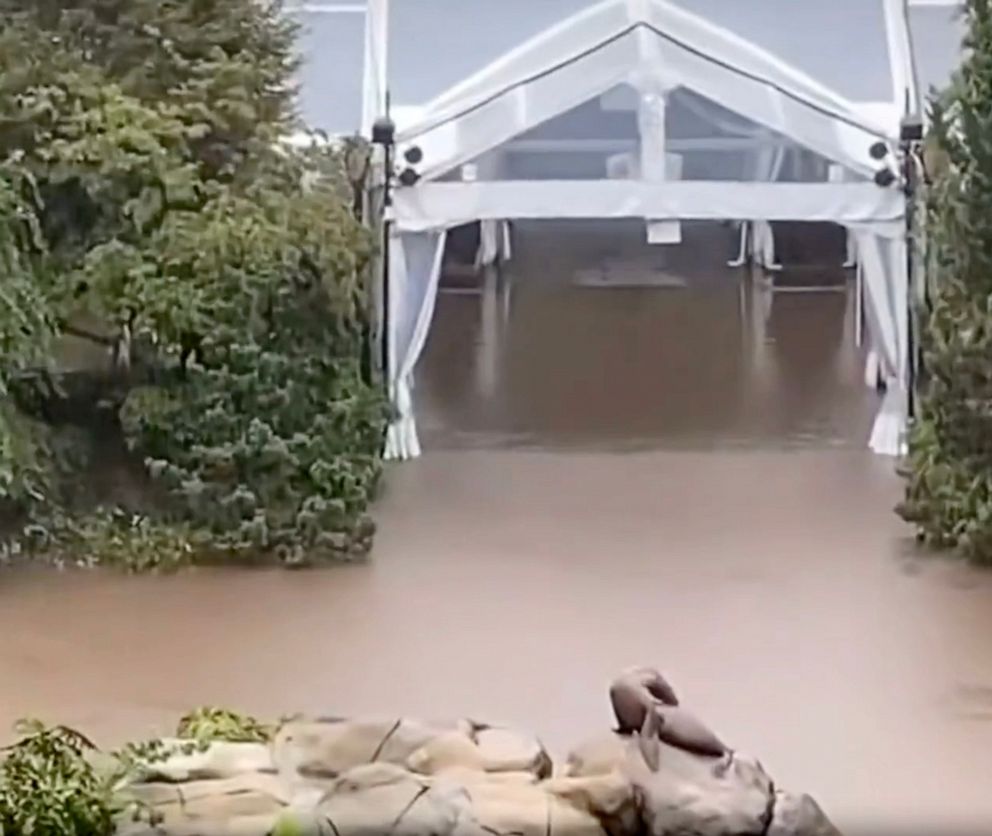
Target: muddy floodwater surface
[(613, 476)]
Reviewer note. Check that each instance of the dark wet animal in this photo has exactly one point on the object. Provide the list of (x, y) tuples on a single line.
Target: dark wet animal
[(645, 704)]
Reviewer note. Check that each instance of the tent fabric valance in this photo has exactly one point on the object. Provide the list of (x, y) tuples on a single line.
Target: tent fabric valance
[(444, 205)]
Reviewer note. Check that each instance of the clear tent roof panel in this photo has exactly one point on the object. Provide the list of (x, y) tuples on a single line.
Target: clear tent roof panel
[(548, 81), (937, 33), (602, 139), (331, 48), (435, 44)]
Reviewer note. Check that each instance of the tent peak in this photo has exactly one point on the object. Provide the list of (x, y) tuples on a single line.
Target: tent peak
[(597, 26)]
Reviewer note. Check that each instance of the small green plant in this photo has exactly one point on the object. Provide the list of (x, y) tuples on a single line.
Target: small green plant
[(109, 537), (49, 785), (206, 725), (289, 824), (54, 780)]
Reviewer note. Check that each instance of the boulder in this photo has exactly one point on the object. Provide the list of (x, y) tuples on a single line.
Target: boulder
[(482, 748), (245, 805), (693, 794), (662, 773), (329, 748), (685, 793), (504, 750), (799, 815), (384, 798), (218, 760)]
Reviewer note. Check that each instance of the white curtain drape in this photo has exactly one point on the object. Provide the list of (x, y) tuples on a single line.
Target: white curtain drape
[(883, 261), (768, 167), (494, 243), (414, 270)]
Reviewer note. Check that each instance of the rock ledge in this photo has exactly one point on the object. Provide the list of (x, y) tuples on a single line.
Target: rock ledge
[(661, 773)]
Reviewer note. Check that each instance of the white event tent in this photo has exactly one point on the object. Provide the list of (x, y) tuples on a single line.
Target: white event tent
[(664, 111)]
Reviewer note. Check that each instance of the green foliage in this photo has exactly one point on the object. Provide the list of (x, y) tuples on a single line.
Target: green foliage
[(48, 785), (25, 330), (289, 824), (206, 725), (111, 537), (53, 780), (949, 470), (136, 761), (142, 187)]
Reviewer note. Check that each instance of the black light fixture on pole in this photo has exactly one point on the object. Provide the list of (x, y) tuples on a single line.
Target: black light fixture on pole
[(384, 135), (910, 142), (903, 173)]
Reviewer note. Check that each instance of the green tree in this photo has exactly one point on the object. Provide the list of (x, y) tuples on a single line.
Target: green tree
[(25, 331), (149, 193), (949, 470)]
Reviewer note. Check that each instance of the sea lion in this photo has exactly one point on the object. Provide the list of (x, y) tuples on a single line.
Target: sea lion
[(634, 692), (645, 704), (684, 730)]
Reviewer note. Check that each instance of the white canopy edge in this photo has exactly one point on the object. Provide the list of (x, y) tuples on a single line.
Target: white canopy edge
[(430, 206), (375, 86), (605, 46), (905, 84)]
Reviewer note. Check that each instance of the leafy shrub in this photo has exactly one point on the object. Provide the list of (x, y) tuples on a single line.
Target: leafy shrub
[(25, 329), (949, 469), (53, 780), (49, 785), (142, 188), (206, 725), (111, 537)]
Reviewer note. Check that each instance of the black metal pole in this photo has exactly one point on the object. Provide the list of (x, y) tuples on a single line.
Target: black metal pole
[(386, 204), (912, 133), (911, 327), (384, 135)]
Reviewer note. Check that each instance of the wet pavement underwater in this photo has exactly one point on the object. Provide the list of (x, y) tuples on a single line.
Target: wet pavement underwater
[(613, 476)]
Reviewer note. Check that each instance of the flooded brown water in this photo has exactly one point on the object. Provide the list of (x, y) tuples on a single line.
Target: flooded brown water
[(538, 361), (541, 546)]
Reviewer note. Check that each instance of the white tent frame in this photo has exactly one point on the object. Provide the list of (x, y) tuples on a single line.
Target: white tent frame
[(655, 47)]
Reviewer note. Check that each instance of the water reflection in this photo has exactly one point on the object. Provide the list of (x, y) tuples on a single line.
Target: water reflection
[(591, 338)]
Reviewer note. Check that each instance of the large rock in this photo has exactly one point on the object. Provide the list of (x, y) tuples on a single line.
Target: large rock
[(329, 748), (687, 793), (218, 760), (246, 805), (690, 794), (662, 773), (382, 798), (799, 815), (326, 749), (504, 750)]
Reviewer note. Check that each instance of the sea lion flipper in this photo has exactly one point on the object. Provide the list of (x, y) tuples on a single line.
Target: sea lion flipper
[(649, 740)]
